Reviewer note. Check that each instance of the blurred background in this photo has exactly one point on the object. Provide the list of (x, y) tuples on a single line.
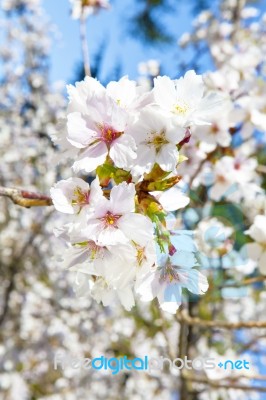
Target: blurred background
[(40, 315)]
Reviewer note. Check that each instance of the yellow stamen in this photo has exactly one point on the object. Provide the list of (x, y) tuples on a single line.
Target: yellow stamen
[(79, 197), (157, 140), (181, 109)]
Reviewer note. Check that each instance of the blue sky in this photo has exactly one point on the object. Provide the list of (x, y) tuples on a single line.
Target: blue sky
[(111, 26)]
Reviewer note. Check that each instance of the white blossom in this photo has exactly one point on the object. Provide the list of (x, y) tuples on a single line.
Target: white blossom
[(115, 221), (100, 132), (156, 139), (184, 99), (74, 194), (257, 250), (173, 273)]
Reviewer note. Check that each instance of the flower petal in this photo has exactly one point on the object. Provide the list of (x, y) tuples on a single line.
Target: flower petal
[(167, 157), (122, 198), (91, 158), (193, 280), (79, 135), (136, 227), (122, 151)]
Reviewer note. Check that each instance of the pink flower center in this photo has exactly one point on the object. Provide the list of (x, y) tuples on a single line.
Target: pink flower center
[(141, 256), (108, 134), (110, 219), (95, 250), (169, 274), (237, 165), (80, 197)]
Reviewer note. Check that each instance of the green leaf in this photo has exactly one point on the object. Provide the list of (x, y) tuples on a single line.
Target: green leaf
[(104, 173), (107, 171)]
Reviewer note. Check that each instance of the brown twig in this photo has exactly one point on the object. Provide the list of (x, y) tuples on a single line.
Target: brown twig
[(250, 377), (261, 168), (246, 282), (182, 316), (197, 171), (217, 384), (24, 198), (183, 351), (251, 343)]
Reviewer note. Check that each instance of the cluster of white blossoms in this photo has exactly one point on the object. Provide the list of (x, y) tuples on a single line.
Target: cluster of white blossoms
[(130, 139)]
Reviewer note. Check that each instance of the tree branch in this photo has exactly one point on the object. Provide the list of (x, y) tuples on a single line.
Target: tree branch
[(24, 198), (182, 316), (183, 351), (84, 45), (246, 282), (261, 168), (226, 385)]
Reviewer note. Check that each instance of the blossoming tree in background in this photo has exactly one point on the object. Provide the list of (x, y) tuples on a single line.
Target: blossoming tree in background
[(159, 197)]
